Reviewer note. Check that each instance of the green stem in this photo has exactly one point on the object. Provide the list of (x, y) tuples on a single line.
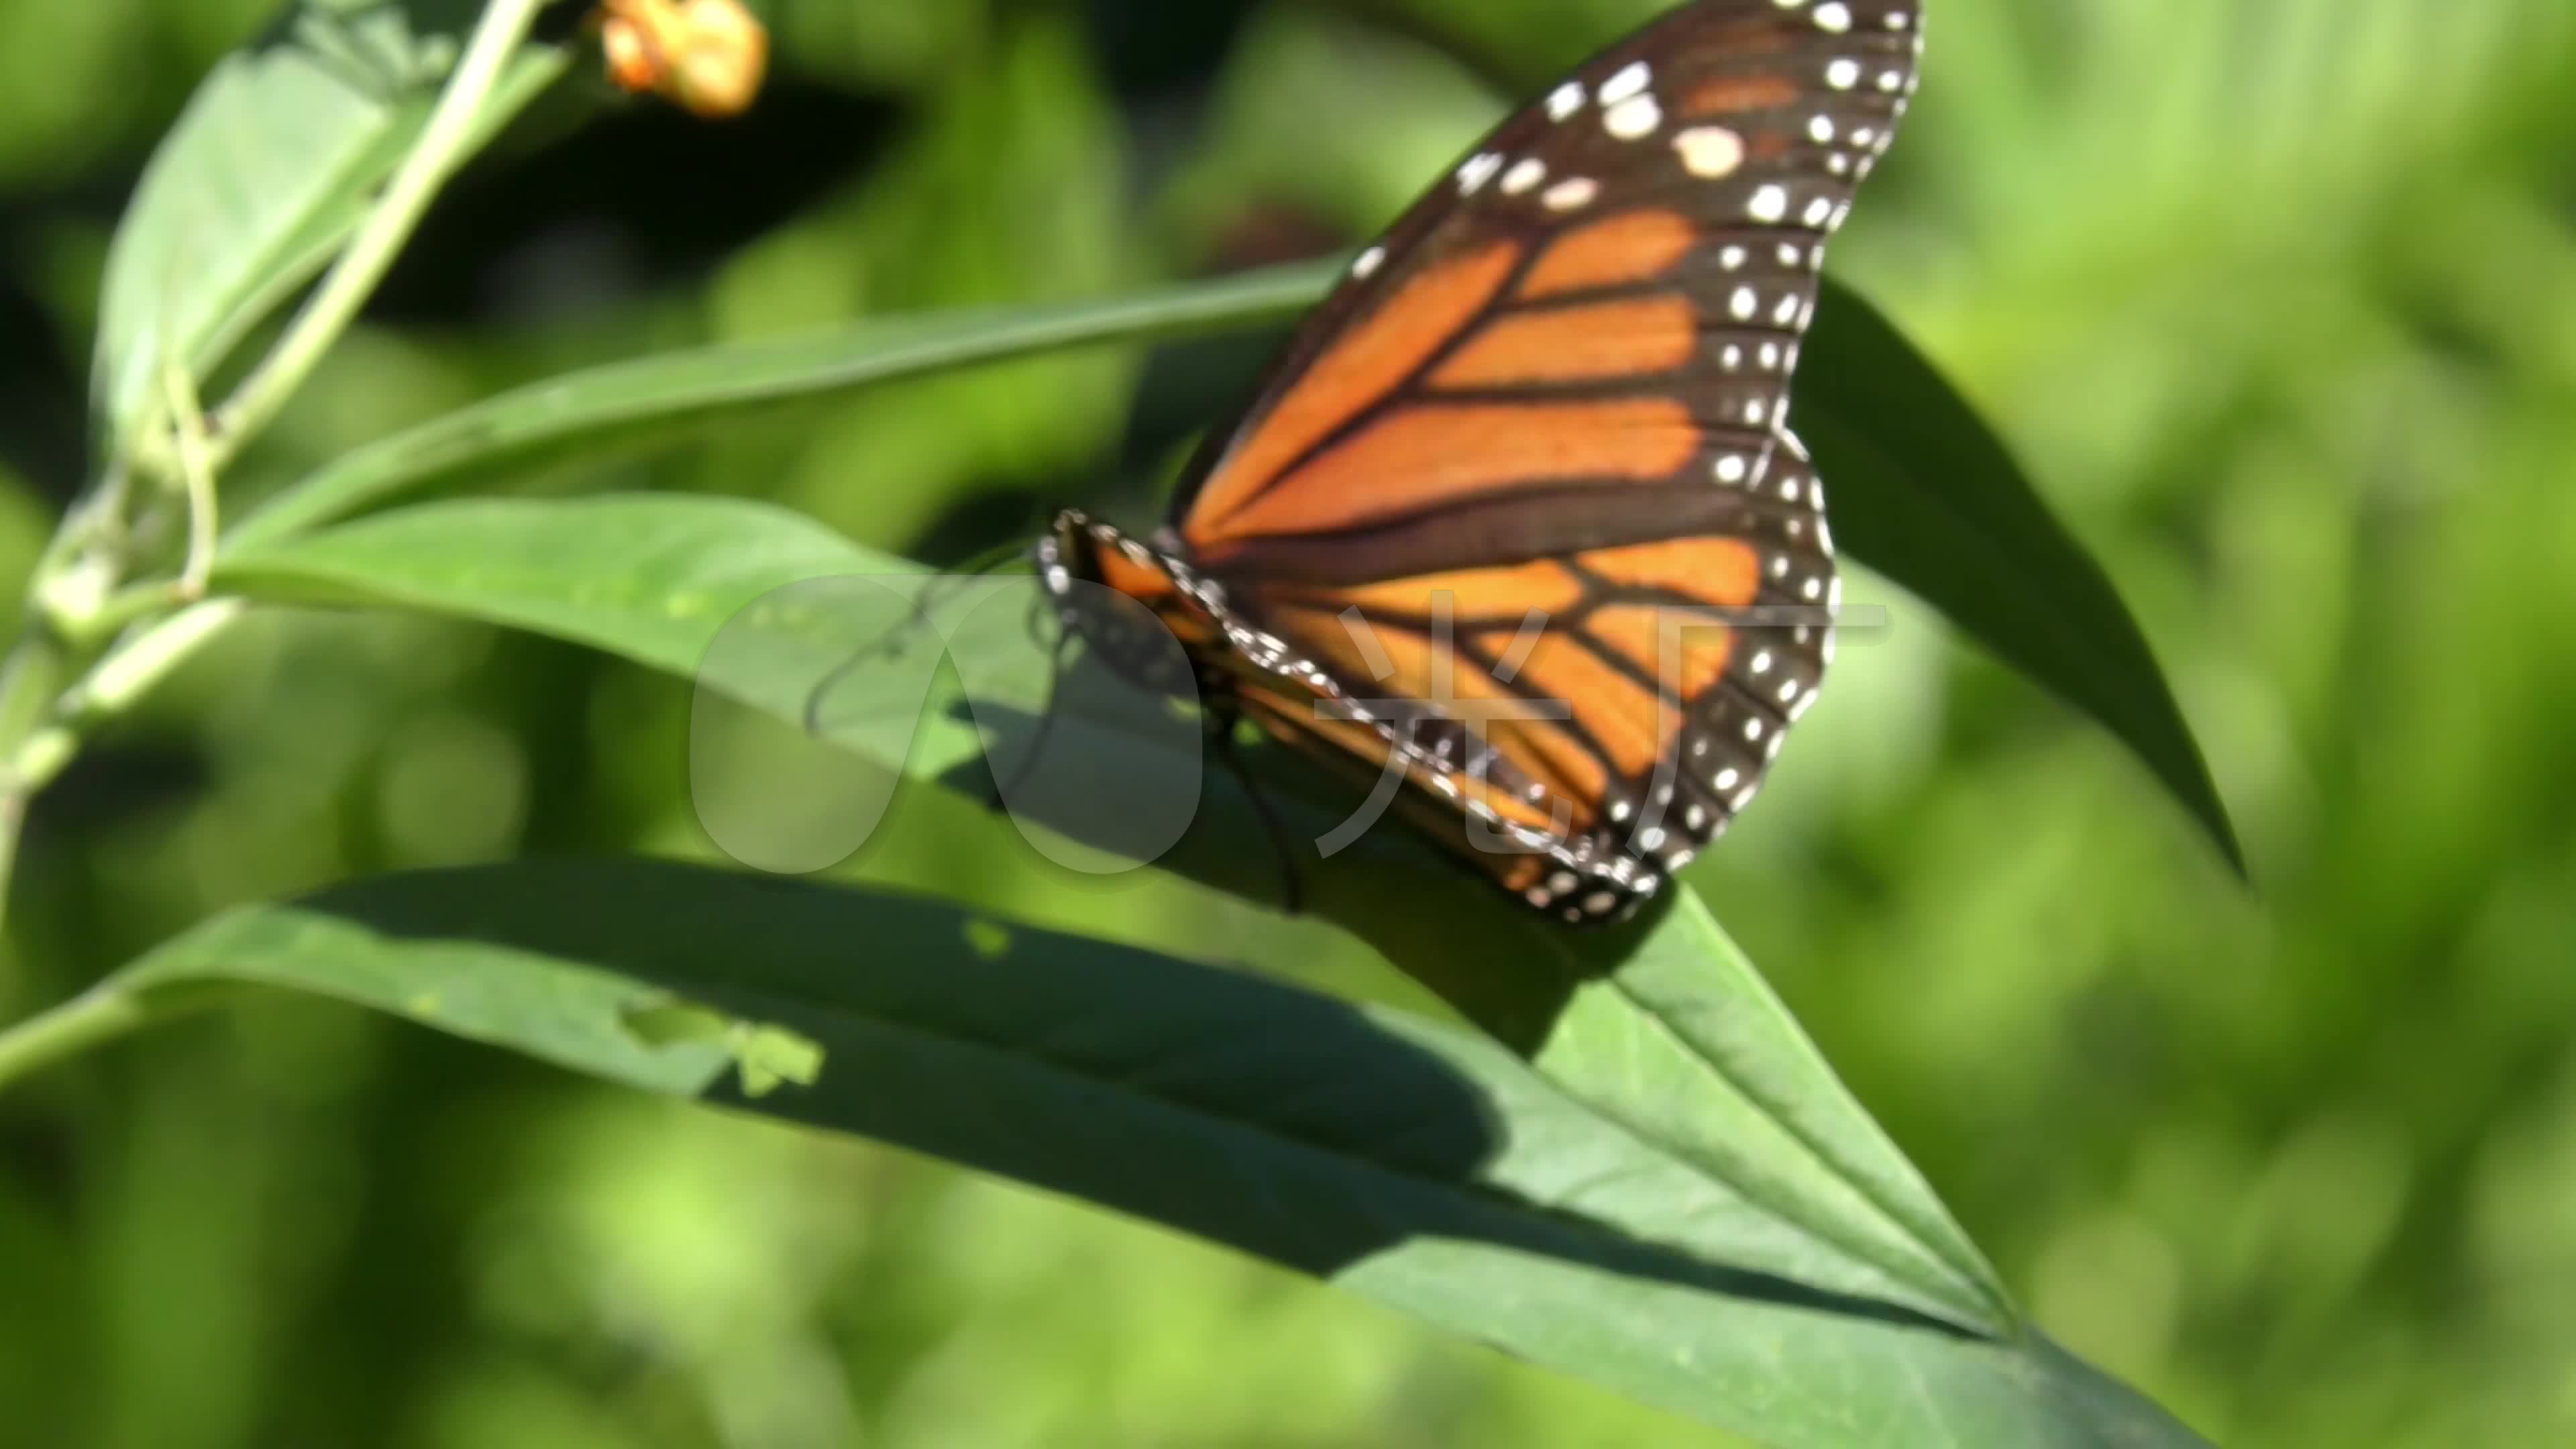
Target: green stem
[(28, 683), (127, 673), (335, 303), (101, 1014), (131, 668), (196, 478), (38, 745), (40, 731)]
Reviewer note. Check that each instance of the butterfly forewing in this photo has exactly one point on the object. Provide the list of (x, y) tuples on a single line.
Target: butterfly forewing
[(1518, 515), (1647, 233)]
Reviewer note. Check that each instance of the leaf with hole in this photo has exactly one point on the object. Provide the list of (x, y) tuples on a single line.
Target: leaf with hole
[(1664, 1035), (1420, 1166)]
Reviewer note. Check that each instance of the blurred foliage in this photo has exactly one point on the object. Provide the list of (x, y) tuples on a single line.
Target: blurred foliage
[(2279, 301)]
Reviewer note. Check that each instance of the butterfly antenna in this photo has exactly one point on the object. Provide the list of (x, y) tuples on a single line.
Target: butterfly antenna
[(888, 644), (1292, 891), (1042, 611)]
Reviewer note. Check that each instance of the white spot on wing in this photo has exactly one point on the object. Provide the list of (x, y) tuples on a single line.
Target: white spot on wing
[(1631, 80), (1709, 152), (1633, 119), (1571, 194)]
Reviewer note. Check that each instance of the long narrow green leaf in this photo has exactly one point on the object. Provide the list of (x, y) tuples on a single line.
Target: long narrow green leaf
[(1420, 1166), (265, 174), (1671, 1030), (1925, 493), (1665, 1039), (625, 406)]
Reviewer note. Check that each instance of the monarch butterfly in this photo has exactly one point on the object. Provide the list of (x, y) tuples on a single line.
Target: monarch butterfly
[(1517, 519)]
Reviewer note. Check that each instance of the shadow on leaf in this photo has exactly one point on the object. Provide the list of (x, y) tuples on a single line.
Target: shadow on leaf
[(1283, 1123)]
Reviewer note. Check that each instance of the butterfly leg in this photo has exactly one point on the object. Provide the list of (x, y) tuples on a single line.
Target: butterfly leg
[(1042, 612), (1005, 786), (1220, 730)]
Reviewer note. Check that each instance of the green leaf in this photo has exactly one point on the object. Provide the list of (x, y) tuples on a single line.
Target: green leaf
[(1423, 1167), (1672, 1030), (1925, 493), (266, 172), (1922, 490), (766, 1057), (648, 401), (1664, 1033), (648, 576)]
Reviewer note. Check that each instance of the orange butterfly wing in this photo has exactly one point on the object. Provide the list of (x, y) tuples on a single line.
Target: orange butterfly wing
[(1518, 521)]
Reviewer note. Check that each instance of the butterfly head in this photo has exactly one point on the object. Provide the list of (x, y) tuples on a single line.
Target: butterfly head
[(1139, 610)]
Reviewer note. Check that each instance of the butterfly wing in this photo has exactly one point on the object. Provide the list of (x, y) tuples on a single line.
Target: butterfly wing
[(1686, 176), (1518, 518), (1595, 715)]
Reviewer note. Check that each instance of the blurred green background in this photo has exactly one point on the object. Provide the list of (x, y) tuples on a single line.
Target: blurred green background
[(2278, 301)]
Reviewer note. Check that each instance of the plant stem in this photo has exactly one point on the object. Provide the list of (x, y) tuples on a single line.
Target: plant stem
[(125, 675), (196, 477), (335, 303), (101, 1014), (27, 688), (48, 734), (40, 731)]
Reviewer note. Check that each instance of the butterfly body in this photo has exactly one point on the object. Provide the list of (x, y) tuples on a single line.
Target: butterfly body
[(1517, 523)]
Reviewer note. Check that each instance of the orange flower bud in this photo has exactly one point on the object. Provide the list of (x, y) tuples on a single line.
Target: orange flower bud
[(708, 56)]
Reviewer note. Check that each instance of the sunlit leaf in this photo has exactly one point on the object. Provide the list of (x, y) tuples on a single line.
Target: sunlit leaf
[(625, 406), (1420, 1166), (1925, 493), (1675, 1031), (266, 172), (1665, 1033)]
